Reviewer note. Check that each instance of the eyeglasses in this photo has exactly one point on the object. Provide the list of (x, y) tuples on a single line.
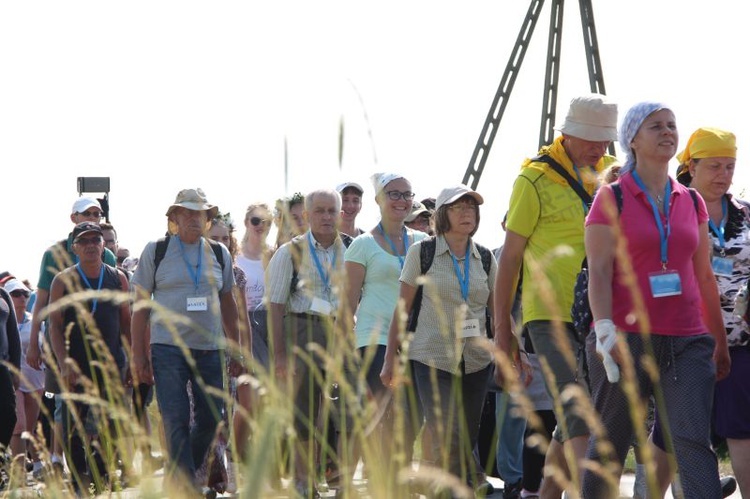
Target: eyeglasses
[(256, 221), (92, 214), (19, 294), (461, 207), (396, 195), (83, 241)]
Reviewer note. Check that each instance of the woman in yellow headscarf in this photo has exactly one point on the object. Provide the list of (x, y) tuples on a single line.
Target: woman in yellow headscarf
[(707, 164)]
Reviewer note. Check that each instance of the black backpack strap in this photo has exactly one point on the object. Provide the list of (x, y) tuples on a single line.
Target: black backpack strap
[(617, 191), (426, 256), (486, 256), (346, 239), (694, 195), (296, 254), (159, 252), (217, 251), (574, 184)]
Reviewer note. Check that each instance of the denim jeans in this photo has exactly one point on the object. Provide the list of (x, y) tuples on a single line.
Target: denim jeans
[(172, 372), (510, 438)]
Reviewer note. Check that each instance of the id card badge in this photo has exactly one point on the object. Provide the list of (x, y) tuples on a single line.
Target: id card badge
[(722, 266), (321, 306), (665, 283), (197, 303), (470, 328)]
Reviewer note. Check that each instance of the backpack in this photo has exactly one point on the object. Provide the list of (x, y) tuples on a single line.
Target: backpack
[(295, 249), (161, 250), (426, 256), (580, 311)]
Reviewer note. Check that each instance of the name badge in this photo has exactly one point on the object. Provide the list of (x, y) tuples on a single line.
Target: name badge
[(665, 283), (722, 266), (321, 306), (470, 328), (197, 303)]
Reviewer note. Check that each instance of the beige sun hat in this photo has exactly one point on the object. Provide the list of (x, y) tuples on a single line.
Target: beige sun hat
[(194, 199), (591, 117)]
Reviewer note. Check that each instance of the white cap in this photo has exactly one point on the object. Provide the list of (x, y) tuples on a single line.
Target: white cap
[(354, 185), (452, 194), (15, 285), (83, 204)]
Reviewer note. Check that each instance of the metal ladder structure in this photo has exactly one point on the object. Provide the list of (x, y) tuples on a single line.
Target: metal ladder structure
[(552, 75)]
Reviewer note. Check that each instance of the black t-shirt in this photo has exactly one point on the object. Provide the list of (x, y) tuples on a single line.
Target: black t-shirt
[(83, 347)]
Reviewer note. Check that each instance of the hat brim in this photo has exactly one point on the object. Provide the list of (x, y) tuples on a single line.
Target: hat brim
[(591, 133), (87, 232), (413, 216), (212, 210), (477, 197)]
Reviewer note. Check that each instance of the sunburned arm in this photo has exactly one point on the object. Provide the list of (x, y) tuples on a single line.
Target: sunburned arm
[(504, 293)]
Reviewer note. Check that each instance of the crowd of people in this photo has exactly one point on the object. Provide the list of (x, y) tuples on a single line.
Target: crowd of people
[(378, 348)]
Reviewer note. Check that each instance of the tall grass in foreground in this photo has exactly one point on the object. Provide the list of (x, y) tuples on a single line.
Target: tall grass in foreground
[(389, 472)]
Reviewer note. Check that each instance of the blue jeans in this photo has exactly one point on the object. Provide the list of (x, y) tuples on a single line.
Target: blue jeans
[(510, 437), (187, 449)]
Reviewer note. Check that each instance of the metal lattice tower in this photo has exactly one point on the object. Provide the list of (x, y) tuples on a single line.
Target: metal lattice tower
[(552, 75)]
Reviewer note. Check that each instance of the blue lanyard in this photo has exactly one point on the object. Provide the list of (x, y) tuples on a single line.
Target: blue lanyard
[(463, 280), (88, 284), (580, 181), (719, 231), (323, 274), (663, 232), (393, 246), (195, 275)]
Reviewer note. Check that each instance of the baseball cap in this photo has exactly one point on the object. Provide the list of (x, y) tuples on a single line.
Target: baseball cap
[(84, 227), (416, 209), (354, 185), (16, 285), (84, 203), (452, 194)]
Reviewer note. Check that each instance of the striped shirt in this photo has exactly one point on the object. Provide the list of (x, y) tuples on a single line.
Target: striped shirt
[(311, 284), (435, 341)]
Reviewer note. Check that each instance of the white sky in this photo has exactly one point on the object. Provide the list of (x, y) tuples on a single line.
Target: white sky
[(161, 96)]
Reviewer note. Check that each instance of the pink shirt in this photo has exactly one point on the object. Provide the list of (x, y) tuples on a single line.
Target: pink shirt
[(672, 315)]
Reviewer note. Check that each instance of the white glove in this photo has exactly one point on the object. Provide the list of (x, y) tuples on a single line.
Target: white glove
[(606, 337)]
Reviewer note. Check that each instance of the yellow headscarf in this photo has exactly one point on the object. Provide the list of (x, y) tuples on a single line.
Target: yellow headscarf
[(707, 143)]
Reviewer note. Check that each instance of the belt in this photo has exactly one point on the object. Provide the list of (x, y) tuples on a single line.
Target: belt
[(313, 317)]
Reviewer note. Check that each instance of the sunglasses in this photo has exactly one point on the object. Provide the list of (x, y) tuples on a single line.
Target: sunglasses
[(83, 241), (256, 221), (91, 213), (396, 195), (18, 294)]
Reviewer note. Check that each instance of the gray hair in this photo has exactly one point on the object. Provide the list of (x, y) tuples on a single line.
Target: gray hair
[(333, 193)]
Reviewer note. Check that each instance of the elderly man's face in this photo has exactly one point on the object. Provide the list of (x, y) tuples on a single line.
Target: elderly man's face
[(191, 224), (584, 152), (323, 215)]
